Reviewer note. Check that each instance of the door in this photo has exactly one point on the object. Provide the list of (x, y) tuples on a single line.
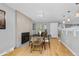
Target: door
[(53, 29)]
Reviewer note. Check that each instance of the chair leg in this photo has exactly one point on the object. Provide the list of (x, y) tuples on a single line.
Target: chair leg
[(49, 44), (29, 43), (31, 47), (41, 48), (45, 46)]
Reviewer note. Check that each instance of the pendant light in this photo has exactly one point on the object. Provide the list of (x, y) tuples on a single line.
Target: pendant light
[(77, 11)]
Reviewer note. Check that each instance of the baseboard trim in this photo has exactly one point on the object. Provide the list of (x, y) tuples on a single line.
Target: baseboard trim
[(68, 48), (11, 49), (54, 37)]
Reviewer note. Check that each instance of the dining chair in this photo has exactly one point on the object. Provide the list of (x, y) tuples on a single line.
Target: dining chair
[(46, 39), (37, 44)]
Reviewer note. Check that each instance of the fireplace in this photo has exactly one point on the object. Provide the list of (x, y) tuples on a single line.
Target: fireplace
[(25, 37)]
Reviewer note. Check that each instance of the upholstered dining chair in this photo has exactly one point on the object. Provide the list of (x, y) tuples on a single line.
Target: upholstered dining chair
[(46, 42), (46, 39)]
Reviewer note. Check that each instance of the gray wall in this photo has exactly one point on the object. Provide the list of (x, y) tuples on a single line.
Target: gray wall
[(7, 36)]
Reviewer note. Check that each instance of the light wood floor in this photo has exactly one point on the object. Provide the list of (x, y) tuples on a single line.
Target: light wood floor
[(56, 49)]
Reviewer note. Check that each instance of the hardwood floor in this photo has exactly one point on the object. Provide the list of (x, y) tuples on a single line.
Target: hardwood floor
[(56, 49)]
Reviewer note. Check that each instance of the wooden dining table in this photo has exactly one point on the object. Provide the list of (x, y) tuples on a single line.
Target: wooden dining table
[(37, 43)]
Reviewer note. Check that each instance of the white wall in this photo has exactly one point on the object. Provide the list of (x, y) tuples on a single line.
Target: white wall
[(7, 36), (24, 24), (54, 29)]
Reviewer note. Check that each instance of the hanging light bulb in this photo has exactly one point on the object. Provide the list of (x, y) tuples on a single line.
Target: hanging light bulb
[(63, 22), (77, 3), (77, 14), (68, 19), (77, 11)]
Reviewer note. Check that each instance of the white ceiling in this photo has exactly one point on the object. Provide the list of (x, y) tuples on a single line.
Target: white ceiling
[(45, 12)]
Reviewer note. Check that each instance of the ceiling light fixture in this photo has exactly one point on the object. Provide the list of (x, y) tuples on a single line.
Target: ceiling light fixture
[(68, 19), (68, 15), (77, 14), (40, 14), (63, 22), (77, 3)]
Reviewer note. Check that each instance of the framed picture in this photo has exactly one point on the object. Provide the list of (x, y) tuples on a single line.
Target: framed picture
[(2, 19)]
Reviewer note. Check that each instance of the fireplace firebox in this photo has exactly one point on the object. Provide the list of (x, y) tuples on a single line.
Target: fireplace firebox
[(25, 37)]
